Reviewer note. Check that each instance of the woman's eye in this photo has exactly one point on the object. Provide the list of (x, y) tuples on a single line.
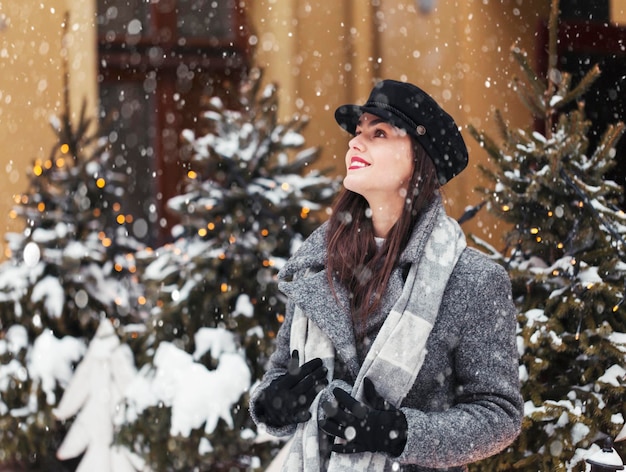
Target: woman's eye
[(379, 133)]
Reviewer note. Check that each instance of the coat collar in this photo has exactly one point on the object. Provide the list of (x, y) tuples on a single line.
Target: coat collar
[(304, 280)]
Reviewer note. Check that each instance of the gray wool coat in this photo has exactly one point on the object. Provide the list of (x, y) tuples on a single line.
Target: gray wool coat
[(465, 404)]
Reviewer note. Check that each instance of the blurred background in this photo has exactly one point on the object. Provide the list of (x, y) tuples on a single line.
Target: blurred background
[(142, 68)]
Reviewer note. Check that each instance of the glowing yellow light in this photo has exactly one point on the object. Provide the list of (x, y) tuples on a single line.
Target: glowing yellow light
[(202, 232), (100, 183), (615, 308), (534, 230), (589, 286), (573, 261), (224, 287), (222, 256), (550, 214), (232, 239), (538, 239), (106, 242), (280, 318), (12, 214), (192, 174), (101, 235), (581, 204), (65, 148), (211, 226), (506, 208), (285, 186), (118, 301), (60, 162), (264, 232), (47, 164), (7, 253), (118, 267), (120, 219), (304, 212), (141, 300), (24, 199), (37, 170), (132, 269), (559, 246), (555, 272), (41, 206)]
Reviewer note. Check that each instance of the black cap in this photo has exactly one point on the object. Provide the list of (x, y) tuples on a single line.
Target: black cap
[(408, 107)]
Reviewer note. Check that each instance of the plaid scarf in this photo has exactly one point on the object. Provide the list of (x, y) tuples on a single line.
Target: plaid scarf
[(396, 355)]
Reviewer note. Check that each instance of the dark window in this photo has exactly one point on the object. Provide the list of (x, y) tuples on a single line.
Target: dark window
[(581, 44), (156, 60)]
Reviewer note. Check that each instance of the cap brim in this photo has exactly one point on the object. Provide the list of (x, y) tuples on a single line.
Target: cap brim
[(347, 116)]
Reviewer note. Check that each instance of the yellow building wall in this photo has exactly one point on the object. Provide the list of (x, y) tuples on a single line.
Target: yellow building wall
[(32, 48), (618, 11)]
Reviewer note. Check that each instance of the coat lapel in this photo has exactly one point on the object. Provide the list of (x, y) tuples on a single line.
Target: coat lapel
[(315, 298)]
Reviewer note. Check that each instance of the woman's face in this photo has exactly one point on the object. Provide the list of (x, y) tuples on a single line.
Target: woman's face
[(379, 161)]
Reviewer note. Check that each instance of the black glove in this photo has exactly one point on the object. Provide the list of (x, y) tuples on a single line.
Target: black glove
[(287, 398), (374, 426)]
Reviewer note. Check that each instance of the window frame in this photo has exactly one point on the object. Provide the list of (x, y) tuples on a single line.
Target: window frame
[(228, 59)]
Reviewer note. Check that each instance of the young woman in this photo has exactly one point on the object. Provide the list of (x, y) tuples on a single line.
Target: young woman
[(398, 349)]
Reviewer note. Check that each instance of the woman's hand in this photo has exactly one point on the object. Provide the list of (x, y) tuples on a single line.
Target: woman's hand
[(288, 398), (374, 426)]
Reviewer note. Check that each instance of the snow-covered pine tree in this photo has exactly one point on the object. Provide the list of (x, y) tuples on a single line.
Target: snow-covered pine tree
[(249, 198), (565, 253), (93, 397), (71, 266)]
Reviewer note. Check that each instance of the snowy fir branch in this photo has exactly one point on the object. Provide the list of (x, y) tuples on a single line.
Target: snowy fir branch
[(565, 255)]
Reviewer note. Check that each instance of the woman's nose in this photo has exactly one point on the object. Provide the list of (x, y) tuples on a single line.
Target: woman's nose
[(356, 143)]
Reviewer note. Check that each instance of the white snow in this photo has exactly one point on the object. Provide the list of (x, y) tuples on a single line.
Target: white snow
[(198, 396), (614, 375), (50, 290), (244, 306), (50, 361)]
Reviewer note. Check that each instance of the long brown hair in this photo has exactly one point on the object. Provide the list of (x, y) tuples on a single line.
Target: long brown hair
[(354, 260)]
